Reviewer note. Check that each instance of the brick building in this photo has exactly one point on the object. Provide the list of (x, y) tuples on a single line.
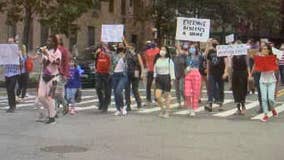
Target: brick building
[(110, 12)]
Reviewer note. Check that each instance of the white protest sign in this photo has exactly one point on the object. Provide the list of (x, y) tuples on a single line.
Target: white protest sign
[(112, 33), (231, 50), (9, 54), (230, 38), (193, 29), (277, 52)]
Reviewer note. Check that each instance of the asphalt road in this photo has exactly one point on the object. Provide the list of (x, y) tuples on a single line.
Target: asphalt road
[(141, 135)]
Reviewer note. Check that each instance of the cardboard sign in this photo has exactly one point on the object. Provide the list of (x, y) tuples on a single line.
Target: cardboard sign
[(112, 33), (231, 50), (230, 38), (193, 29), (9, 54), (265, 63), (277, 52)]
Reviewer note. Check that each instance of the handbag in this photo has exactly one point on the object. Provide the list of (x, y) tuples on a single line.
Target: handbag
[(78, 95)]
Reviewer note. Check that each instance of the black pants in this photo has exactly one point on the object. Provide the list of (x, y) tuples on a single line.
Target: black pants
[(239, 86), (22, 84), (149, 85), (103, 88), (133, 83), (10, 87)]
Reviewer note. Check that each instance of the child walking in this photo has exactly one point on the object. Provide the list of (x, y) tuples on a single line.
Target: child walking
[(72, 86)]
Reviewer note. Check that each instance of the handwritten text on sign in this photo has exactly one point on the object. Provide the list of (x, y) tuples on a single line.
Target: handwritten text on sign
[(9, 54), (193, 29), (231, 50), (112, 33)]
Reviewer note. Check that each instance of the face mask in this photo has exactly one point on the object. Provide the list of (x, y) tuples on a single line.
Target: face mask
[(192, 50), (163, 53)]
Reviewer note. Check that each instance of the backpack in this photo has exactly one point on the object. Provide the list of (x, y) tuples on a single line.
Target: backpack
[(29, 64), (103, 63)]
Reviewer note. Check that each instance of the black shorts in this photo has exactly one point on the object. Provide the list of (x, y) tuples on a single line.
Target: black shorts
[(163, 82)]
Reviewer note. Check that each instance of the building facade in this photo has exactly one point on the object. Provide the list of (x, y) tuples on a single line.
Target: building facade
[(127, 12)]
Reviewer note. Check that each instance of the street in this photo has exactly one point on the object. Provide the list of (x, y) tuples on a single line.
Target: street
[(141, 135)]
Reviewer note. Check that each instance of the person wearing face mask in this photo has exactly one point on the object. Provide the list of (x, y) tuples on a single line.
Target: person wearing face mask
[(267, 81), (180, 64), (192, 82), (164, 75), (119, 79), (134, 73), (217, 72)]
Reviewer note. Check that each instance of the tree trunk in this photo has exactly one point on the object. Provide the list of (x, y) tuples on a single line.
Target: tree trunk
[(27, 28)]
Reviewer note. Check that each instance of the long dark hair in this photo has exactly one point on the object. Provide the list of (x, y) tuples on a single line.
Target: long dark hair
[(168, 54), (269, 48)]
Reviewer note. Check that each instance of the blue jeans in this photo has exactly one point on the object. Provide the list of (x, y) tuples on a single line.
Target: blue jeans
[(179, 85), (216, 89), (119, 81), (267, 95)]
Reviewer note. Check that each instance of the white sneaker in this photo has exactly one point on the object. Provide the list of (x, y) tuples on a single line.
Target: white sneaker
[(192, 113), (166, 115), (117, 113), (123, 111)]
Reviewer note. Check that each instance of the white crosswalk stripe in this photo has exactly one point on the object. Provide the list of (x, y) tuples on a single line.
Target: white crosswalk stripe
[(90, 102)]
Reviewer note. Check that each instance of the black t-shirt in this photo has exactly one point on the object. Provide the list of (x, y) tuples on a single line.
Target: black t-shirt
[(216, 64)]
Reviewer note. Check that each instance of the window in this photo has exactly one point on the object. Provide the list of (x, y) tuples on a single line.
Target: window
[(12, 30), (111, 6), (134, 39), (130, 3), (123, 7), (91, 35)]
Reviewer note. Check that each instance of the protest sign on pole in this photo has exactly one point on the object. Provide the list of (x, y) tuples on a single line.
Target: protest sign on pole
[(230, 38), (231, 50), (9, 54), (112, 33), (193, 29), (277, 52)]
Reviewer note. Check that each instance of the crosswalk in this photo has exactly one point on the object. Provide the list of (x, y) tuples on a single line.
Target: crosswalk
[(90, 101)]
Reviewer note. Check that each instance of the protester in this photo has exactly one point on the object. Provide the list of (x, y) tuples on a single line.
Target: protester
[(164, 75), (267, 83), (134, 72), (119, 79), (64, 75), (281, 65), (240, 76), (180, 65), (103, 78), (149, 56), (203, 72), (192, 83), (216, 74), (11, 72), (23, 77), (51, 58), (72, 86)]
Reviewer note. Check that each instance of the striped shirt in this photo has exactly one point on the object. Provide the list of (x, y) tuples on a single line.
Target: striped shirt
[(281, 60)]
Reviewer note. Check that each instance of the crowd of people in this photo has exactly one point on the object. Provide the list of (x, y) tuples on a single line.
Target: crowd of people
[(121, 67)]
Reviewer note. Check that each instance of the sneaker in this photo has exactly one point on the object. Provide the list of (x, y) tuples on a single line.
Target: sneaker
[(274, 112), (192, 113), (166, 115), (117, 113), (161, 114), (265, 118), (50, 121), (209, 109), (124, 111), (11, 110), (72, 111)]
